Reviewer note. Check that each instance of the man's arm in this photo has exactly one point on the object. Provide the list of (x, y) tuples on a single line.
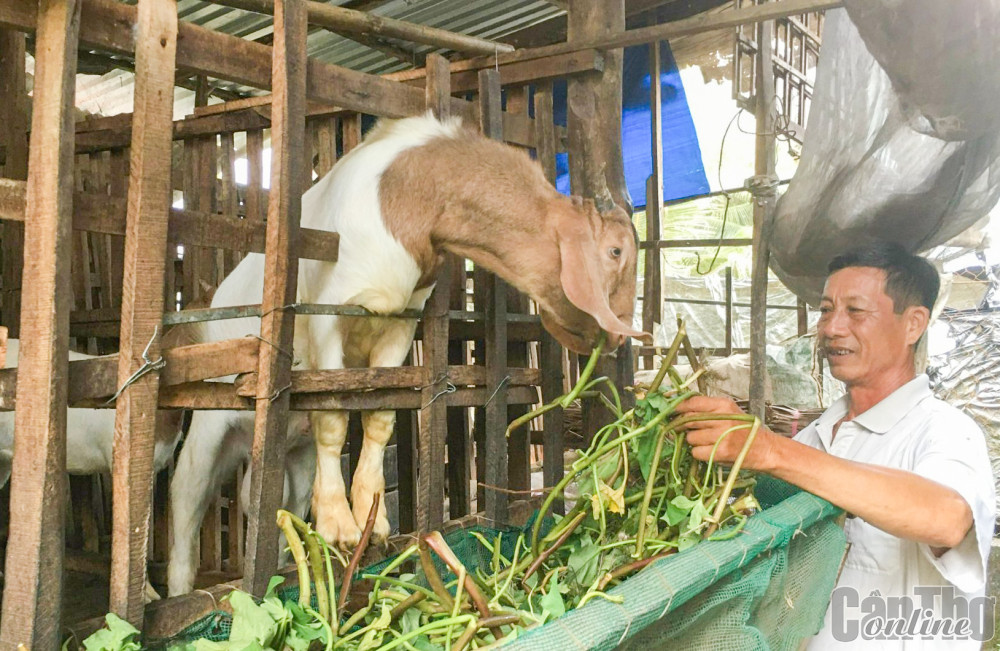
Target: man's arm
[(900, 503)]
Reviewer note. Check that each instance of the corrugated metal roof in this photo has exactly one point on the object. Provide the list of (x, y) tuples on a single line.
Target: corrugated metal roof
[(111, 93)]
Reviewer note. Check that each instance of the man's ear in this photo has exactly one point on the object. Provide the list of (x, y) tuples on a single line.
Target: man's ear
[(916, 319)]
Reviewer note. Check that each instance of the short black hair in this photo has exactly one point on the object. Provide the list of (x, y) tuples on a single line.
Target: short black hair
[(909, 279)]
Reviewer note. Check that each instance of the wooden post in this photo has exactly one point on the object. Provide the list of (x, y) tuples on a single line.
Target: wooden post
[(519, 443), (33, 582), (142, 304), (763, 189), (288, 121), (433, 432), (594, 124), (551, 352), (495, 442), (14, 144), (460, 453), (652, 302)]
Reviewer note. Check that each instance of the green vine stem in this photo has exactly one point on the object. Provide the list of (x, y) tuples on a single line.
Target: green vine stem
[(668, 360), (733, 472), (298, 554), (647, 496), (588, 370)]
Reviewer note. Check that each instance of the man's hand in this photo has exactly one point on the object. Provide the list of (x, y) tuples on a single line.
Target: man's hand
[(702, 434)]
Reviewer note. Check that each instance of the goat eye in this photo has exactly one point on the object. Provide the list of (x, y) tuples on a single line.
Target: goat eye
[(615, 252)]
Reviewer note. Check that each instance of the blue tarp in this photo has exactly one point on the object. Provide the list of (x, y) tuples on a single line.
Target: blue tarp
[(683, 169)]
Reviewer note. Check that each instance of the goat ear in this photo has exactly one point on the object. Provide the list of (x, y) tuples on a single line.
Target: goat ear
[(582, 276)]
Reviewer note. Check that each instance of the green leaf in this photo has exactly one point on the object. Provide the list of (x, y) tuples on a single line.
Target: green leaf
[(698, 515), (118, 636), (678, 509), (584, 560), (410, 620), (251, 623), (551, 602), (272, 585)]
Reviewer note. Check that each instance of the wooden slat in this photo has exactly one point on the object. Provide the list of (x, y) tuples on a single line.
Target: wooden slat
[(459, 442), (495, 453), (433, 431), (33, 571), (14, 141), (255, 173), (280, 282), (351, 125), (342, 20), (142, 304), (326, 134), (364, 379)]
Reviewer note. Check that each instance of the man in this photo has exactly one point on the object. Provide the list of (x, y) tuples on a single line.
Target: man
[(911, 472)]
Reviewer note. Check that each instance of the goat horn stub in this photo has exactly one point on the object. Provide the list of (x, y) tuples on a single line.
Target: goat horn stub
[(603, 199)]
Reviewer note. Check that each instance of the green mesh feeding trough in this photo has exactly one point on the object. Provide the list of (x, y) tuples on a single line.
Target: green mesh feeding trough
[(766, 588)]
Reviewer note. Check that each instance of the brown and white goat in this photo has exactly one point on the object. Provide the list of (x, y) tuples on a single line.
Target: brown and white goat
[(413, 190)]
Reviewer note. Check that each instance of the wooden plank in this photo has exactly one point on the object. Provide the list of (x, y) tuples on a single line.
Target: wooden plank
[(365, 379), (33, 572), (551, 353), (142, 304), (459, 442), (495, 452), (104, 215), (255, 174), (342, 20), (559, 66), (351, 125), (698, 24), (326, 135), (14, 143), (109, 25), (280, 282), (433, 433), (406, 469)]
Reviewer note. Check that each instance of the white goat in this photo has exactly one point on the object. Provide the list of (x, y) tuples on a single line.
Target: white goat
[(89, 433), (412, 190)]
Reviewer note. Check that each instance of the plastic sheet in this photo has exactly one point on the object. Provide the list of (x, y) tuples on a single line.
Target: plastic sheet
[(866, 172)]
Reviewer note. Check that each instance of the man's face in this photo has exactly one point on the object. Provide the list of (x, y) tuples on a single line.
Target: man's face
[(863, 339)]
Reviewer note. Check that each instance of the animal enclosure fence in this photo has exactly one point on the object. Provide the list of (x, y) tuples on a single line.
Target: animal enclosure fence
[(101, 231)]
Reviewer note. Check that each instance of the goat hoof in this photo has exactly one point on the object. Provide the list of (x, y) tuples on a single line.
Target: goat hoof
[(150, 593), (343, 533)]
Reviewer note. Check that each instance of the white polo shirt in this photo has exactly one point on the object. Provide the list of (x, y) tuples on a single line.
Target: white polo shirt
[(911, 430)]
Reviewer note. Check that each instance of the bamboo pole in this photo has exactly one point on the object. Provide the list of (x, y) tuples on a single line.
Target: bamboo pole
[(33, 582)]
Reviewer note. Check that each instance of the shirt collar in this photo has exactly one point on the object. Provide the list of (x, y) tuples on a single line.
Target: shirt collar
[(891, 409)]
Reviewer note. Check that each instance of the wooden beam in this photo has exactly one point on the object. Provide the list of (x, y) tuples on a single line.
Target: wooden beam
[(699, 24), (433, 433), (109, 25), (100, 214), (403, 377), (32, 593), (142, 305), (551, 353), (280, 282), (495, 471), (348, 21), (14, 148)]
